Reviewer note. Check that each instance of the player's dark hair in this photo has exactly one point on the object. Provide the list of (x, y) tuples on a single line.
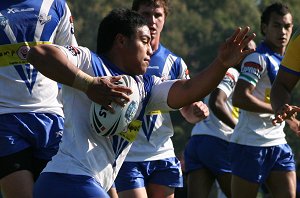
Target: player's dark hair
[(279, 8), (118, 21), (156, 3)]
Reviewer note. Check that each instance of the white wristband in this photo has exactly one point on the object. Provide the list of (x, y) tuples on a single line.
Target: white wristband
[(82, 81)]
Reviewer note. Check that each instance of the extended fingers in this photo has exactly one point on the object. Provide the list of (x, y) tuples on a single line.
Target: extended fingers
[(245, 42), (286, 112), (242, 38), (241, 35), (234, 36), (277, 120), (295, 108)]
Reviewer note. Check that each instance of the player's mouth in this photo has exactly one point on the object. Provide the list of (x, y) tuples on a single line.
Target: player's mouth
[(152, 31), (282, 39), (147, 60)]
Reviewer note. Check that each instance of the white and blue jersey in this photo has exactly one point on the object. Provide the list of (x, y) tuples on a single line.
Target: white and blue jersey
[(154, 138), (23, 24), (212, 134), (83, 152), (256, 129), (212, 125)]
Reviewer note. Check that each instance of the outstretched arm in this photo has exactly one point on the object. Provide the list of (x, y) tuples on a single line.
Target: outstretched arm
[(230, 53), (54, 64)]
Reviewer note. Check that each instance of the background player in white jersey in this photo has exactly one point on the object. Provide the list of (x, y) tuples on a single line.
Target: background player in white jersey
[(213, 135), (150, 167), (31, 118), (87, 164), (285, 82), (259, 151)]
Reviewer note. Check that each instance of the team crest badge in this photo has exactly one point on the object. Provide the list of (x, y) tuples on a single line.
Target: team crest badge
[(43, 18)]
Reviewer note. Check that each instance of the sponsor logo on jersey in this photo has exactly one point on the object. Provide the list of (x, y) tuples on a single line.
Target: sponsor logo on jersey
[(59, 134), (3, 22), (253, 65), (23, 51), (252, 68), (14, 54), (229, 79), (74, 51), (17, 10), (43, 18), (153, 67)]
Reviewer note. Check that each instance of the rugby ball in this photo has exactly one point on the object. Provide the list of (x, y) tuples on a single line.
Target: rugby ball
[(105, 123)]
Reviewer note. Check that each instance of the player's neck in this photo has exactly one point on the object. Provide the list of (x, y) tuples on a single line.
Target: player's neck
[(114, 59), (279, 50), (155, 44)]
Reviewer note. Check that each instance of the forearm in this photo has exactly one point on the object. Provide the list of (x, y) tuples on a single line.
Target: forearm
[(253, 104), (224, 115), (52, 63), (282, 88), (279, 97), (184, 92)]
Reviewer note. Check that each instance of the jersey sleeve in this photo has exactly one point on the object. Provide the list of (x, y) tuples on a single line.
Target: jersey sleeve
[(252, 68), (184, 72), (159, 95), (291, 60), (65, 31), (79, 56), (229, 81)]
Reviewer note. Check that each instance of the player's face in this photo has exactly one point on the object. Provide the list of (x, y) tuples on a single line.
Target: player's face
[(138, 51), (278, 31), (155, 17)]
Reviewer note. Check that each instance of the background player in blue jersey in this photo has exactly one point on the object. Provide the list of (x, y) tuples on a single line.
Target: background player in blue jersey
[(259, 151), (87, 164), (31, 118), (150, 167), (213, 135)]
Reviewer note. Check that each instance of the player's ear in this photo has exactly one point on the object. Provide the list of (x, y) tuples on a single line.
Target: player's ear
[(121, 40), (263, 28)]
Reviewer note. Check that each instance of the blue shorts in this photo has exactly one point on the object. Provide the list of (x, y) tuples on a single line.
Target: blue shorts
[(50, 185), (207, 152), (254, 163), (165, 172), (40, 131)]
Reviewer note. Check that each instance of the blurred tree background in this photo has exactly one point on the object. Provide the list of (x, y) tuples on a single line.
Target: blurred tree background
[(194, 29)]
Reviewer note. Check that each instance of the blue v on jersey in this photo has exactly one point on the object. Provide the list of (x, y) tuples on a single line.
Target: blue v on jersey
[(154, 139), (23, 24), (84, 152)]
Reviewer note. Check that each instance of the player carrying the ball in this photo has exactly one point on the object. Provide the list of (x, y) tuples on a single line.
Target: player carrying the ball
[(87, 164)]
